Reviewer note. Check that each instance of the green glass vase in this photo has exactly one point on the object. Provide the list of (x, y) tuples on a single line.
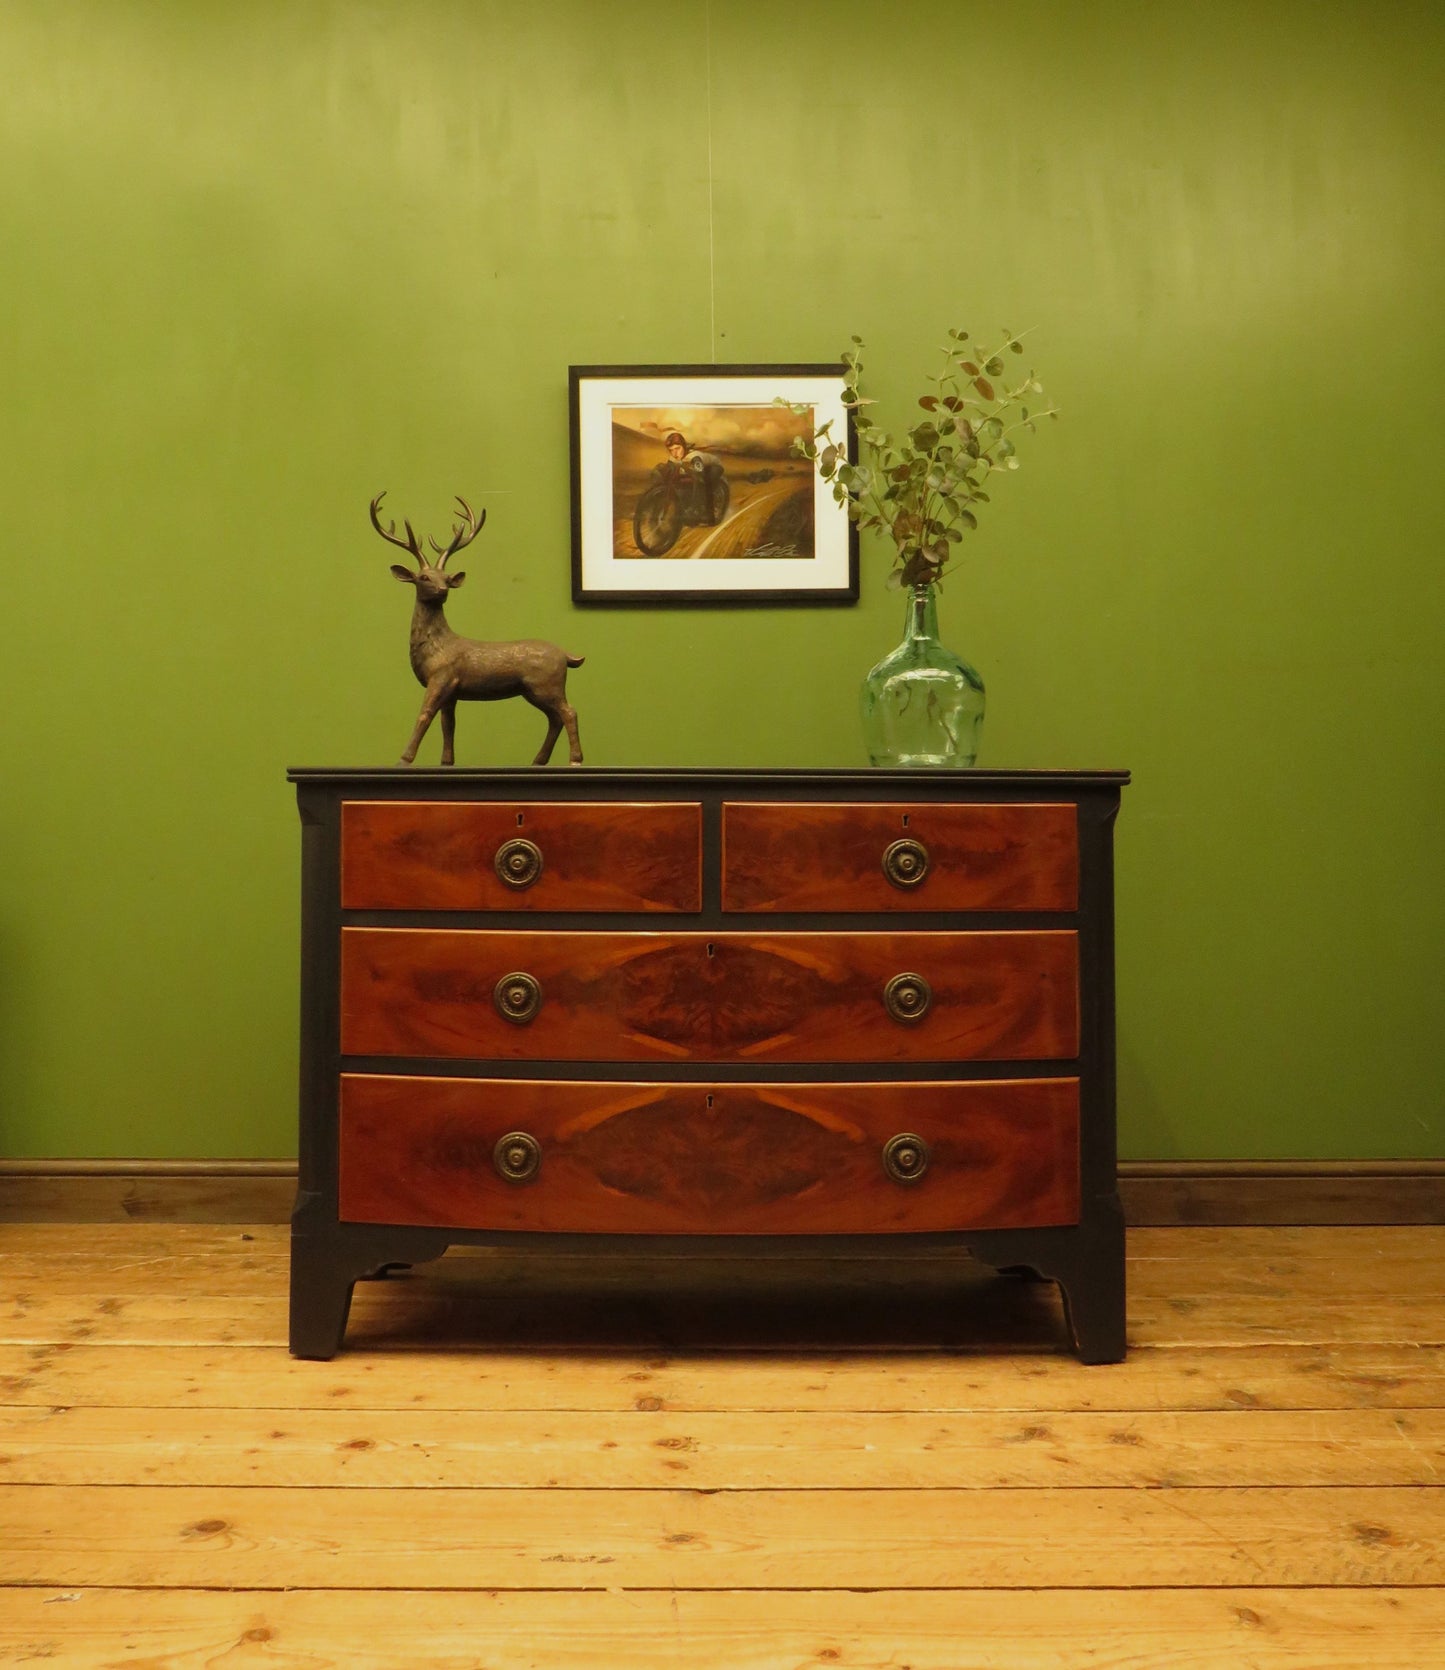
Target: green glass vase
[(922, 705)]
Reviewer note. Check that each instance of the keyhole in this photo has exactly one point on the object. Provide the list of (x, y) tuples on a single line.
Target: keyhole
[(521, 820), (712, 950), (905, 820), (709, 1101)]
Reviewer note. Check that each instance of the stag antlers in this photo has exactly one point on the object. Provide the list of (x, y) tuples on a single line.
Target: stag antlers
[(464, 535)]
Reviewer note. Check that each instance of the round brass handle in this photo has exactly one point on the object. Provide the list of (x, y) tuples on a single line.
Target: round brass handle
[(906, 863), (518, 863), (517, 997), (907, 997), (906, 1157), (517, 1156)]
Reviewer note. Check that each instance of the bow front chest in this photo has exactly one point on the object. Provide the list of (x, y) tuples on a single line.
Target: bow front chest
[(760, 1007)]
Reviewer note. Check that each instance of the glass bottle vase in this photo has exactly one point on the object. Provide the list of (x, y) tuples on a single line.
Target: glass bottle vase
[(922, 705)]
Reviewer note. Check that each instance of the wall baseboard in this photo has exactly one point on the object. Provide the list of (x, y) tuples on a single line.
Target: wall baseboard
[(1154, 1192), (1283, 1191)]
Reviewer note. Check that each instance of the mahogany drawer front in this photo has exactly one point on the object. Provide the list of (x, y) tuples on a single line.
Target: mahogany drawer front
[(739, 1159), (442, 993), (446, 855), (794, 857)]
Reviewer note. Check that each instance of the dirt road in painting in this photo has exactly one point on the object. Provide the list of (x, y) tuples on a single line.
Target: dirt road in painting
[(764, 519)]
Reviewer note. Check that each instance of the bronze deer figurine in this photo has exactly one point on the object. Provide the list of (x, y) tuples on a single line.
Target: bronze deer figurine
[(455, 669)]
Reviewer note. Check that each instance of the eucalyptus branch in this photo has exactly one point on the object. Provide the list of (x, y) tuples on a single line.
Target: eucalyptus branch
[(924, 490)]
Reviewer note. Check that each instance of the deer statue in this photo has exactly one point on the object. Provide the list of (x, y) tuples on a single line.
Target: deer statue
[(455, 669)]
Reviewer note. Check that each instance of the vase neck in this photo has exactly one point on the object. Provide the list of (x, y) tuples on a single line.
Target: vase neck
[(921, 618)]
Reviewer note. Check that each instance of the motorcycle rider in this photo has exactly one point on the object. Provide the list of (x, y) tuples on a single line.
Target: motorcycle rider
[(707, 467)]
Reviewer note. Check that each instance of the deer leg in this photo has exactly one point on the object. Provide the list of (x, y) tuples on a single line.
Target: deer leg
[(449, 730), (554, 730), (434, 698), (569, 719)]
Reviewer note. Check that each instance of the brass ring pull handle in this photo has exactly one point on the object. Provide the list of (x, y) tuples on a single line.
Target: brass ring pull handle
[(517, 1156), (518, 863), (517, 997), (908, 997), (906, 1157), (905, 863)]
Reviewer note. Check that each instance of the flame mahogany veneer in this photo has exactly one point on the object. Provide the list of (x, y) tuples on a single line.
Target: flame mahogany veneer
[(668, 1065), (709, 997), (729, 1159), (439, 855), (791, 857)]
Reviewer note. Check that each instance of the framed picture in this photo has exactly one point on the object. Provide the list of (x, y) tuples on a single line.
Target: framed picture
[(685, 487)]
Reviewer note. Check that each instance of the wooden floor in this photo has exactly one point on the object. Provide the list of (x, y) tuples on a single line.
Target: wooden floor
[(631, 1465)]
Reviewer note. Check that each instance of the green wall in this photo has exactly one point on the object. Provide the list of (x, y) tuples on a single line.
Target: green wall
[(266, 257)]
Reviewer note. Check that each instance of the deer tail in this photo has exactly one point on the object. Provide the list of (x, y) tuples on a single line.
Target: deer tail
[(574, 660)]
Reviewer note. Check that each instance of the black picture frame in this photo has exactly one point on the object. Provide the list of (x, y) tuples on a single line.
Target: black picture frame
[(647, 520)]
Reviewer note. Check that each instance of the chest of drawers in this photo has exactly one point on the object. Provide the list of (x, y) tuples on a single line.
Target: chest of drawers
[(760, 1008)]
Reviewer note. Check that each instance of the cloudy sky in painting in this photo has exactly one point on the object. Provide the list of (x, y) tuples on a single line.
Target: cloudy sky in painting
[(765, 431)]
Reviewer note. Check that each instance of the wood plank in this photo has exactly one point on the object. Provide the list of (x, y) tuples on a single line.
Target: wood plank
[(1170, 1629), (511, 1449), (264, 1377), (441, 855), (779, 856), (583, 1539), (673, 997), (248, 1268), (741, 1159), (567, 1310)]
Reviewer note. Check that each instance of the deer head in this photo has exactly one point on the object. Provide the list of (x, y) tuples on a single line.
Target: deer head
[(431, 580)]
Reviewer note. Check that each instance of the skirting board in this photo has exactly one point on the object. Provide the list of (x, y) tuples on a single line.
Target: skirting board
[(1154, 1192)]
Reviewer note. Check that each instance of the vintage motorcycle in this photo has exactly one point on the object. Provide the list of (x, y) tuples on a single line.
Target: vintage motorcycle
[(682, 495)]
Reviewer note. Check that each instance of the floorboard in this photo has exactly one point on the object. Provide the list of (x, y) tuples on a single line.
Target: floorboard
[(571, 1463)]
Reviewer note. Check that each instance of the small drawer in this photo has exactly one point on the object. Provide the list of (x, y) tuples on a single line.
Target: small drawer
[(483, 994), (501, 855), (729, 1159), (785, 857)]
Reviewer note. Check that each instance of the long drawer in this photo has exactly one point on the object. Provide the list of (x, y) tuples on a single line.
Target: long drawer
[(779, 856), (484, 994), (521, 855), (738, 1159)]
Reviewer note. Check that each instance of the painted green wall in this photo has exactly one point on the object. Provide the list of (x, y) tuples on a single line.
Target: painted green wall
[(264, 258)]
